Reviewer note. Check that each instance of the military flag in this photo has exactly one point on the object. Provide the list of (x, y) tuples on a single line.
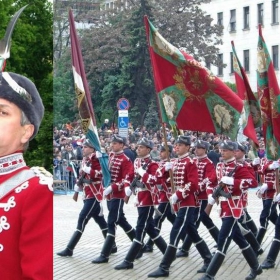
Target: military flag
[(269, 98), (190, 96), (251, 115), (85, 106)]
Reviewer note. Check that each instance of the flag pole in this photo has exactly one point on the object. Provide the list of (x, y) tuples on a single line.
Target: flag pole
[(158, 107)]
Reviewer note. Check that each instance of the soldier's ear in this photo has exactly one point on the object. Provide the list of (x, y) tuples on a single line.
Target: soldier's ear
[(28, 131)]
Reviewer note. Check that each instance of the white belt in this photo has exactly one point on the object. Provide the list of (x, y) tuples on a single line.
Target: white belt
[(222, 198), (141, 189)]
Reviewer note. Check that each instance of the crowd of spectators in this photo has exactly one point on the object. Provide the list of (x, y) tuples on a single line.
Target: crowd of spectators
[(68, 141)]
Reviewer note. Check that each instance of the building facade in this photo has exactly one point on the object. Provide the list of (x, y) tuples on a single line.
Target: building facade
[(240, 20)]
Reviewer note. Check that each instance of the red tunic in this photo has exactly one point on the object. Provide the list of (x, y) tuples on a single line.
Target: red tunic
[(145, 196), (186, 181), (269, 177), (26, 228), (163, 180), (122, 172), (94, 189), (243, 179), (206, 176)]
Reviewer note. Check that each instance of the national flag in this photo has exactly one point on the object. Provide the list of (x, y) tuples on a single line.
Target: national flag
[(269, 98), (251, 114), (189, 95), (84, 100)]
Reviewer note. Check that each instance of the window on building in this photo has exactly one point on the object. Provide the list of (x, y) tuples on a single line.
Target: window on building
[(275, 57), (220, 19), (260, 13), (231, 63), (246, 16), (246, 60), (232, 20), (220, 65), (208, 63), (275, 12)]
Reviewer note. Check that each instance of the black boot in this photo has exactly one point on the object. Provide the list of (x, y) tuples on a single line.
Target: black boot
[(114, 248), (106, 250), (214, 266), (261, 234), (252, 226), (164, 266), (161, 244), (184, 250), (148, 247), (252, 240), (252, 260), (131, 234), (205, 253), (130, 257), (269, 262), (68, 252), (214, 231)]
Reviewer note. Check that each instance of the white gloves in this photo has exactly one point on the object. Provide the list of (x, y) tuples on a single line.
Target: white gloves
[(263, 188), (141, 171), (273, 165), (173, 198), (277, 198), (107, 190), (86, 169), (168, 165), (256, 161), (227, 180), (98, 154), (128, 191), (211, 199), (76, 188)]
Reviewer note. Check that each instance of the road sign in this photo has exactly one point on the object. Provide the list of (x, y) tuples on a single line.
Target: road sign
[(123, 113), (123, 104), (123, 122)]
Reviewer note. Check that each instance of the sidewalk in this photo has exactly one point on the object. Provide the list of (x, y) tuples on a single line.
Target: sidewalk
[(79, 267)]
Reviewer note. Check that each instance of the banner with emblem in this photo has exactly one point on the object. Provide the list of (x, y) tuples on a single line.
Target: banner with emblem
[(251, 114), (190, 96), (269, 98), (85, 106)]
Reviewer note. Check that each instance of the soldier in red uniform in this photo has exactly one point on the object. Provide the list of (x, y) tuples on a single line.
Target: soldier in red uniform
[(235, 179), (26, 198), (245, 221), (206, 179), (267, 170), (145, 169), (163, 193), (90, 183), (121, 175), (186, 184)]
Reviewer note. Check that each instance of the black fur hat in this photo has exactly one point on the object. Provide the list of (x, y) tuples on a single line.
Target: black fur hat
[(24, 94), (183, 139), (145, 142), (228, 145)]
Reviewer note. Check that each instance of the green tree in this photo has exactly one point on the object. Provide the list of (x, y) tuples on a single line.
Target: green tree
[(31, 56)]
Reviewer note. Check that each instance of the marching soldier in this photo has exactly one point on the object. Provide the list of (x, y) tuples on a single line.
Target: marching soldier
[(26, 197), (91, 185), (185, 176), (267, 170), (246, 222), (164, 193), (145, 169), (234, 178), (121, 175), (270, 260), (206, 178)]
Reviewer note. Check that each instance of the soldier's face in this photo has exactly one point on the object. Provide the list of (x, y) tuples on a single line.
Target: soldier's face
[(163, 155), (200, 152), (87, 151), (239, 154), (116, 147), (142, 151), (227, 154), (12, 136), (181, 149)]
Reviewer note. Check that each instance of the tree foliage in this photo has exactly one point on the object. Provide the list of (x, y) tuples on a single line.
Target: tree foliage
[(31, 56), (116, 56)]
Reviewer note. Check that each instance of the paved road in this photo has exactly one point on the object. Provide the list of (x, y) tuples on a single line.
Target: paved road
[(79, 267)]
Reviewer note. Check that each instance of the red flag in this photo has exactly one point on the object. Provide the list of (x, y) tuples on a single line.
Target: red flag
[(251, 115), (191, 97), (269, 97)]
